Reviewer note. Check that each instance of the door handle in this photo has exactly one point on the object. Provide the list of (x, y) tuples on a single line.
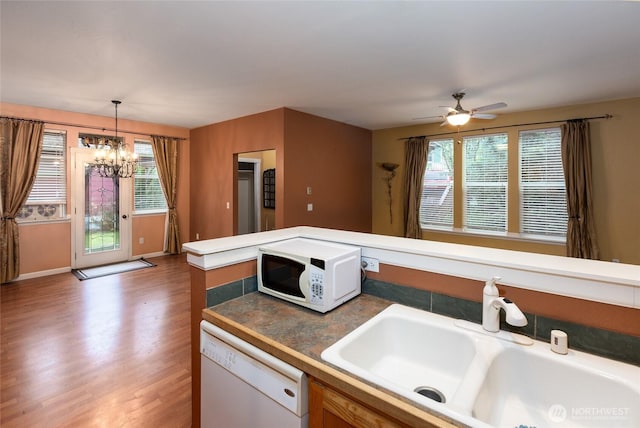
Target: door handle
[(124, 216)]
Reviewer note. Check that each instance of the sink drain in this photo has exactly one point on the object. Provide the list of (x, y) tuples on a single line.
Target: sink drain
[(431, 393)]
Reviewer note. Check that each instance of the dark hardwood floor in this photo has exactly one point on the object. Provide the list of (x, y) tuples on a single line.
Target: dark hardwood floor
[(105, 352)]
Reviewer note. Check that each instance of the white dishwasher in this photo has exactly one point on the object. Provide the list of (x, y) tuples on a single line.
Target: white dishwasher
[(244, 387)]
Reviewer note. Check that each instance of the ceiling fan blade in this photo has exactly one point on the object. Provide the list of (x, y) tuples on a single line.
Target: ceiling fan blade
[(427, 117), (449, 108), (483, 116), (444, 123), (490, 107)]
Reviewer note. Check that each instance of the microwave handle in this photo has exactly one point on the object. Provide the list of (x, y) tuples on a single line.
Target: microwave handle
[(304, 283)]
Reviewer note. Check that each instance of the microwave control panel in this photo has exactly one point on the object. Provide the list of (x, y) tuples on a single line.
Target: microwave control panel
[(316, 283)]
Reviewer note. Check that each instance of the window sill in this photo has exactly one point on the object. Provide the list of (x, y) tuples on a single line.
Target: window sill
[(66, 219), (149, 212), (508, 236)]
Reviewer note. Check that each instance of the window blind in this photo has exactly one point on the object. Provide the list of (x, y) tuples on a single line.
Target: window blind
[(485, 182), (436, 203), (50, 185), (148, 194), (543, 206)]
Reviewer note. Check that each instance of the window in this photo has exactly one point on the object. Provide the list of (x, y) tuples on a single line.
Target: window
[(543, 206), (436, 204), (148, 195), (48, 197), (485, 183)]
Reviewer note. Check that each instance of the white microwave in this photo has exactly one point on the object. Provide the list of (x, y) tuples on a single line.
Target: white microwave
[(315, 274)]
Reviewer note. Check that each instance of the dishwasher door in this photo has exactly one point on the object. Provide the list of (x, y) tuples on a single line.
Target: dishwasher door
[(243, 386)]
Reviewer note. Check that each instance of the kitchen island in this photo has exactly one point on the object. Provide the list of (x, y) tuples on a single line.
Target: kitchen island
[(298, 336)]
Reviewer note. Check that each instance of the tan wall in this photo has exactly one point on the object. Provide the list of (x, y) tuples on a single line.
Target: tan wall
[(48, 246), (267, 215), (332, 157), (149, 228), (45, 247), (616, 176)]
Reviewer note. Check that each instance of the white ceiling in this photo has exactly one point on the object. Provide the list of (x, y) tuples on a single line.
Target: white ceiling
[(371, 64)]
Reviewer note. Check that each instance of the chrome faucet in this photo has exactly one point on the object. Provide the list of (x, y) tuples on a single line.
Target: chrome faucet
[(491, 305)]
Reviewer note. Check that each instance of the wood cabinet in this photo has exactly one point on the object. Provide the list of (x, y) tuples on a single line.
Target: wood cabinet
[(331, 409)]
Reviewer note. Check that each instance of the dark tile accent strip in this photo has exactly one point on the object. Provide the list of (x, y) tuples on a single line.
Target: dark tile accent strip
[(407, 296), (222, 293), (250, 284), (456, 308)]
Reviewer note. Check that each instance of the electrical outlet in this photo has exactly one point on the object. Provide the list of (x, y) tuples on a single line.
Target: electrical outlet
[(370, 264), (140, 240), (197, 236)]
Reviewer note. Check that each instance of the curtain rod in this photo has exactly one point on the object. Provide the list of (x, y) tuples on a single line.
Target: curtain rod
[(100, 128), (606, 116)]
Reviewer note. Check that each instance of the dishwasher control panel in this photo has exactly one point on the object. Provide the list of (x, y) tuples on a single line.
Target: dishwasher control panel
[(218, 353)]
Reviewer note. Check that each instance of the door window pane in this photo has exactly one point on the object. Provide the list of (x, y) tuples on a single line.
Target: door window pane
[(102, 212)]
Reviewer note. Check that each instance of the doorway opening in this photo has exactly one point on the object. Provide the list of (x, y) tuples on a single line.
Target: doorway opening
[(248, 195), (251, 213)]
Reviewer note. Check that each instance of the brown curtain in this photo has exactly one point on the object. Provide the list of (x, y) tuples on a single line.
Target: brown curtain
[(576, 161), (165, 151), (20, 147), (415, 160)]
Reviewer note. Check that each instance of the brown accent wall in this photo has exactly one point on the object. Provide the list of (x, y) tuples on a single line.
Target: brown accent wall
[(47, 246), (619, 319), (212, 168), (616, 176), (332, 158)]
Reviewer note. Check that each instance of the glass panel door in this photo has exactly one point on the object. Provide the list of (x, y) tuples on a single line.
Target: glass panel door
[(100, 214)]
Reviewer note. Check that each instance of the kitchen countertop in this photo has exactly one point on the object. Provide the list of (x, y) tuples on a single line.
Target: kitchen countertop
[(298, 336)]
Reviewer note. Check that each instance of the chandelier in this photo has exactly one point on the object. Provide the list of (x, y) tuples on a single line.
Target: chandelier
[(113, 159)]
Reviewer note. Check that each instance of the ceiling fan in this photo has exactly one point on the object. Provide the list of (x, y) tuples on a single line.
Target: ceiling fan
[(458, 116)]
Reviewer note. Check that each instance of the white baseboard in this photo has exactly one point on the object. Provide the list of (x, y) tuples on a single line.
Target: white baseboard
[(68, 268), (43, 273), (149, 255)]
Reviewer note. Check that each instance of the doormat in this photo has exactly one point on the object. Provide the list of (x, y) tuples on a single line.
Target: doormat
[(98, 271)]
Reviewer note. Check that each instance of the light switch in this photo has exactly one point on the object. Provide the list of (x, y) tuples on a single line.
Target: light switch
[(308, 190), (309, 207)]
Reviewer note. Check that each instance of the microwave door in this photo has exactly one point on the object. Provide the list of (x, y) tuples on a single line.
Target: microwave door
[(282, 275)]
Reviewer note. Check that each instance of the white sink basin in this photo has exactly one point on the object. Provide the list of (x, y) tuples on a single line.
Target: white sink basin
[(487, 379), (404, 349), (535, 387)]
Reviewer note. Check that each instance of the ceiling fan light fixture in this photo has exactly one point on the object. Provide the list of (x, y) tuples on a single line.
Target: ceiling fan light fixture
[(458, 119)]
